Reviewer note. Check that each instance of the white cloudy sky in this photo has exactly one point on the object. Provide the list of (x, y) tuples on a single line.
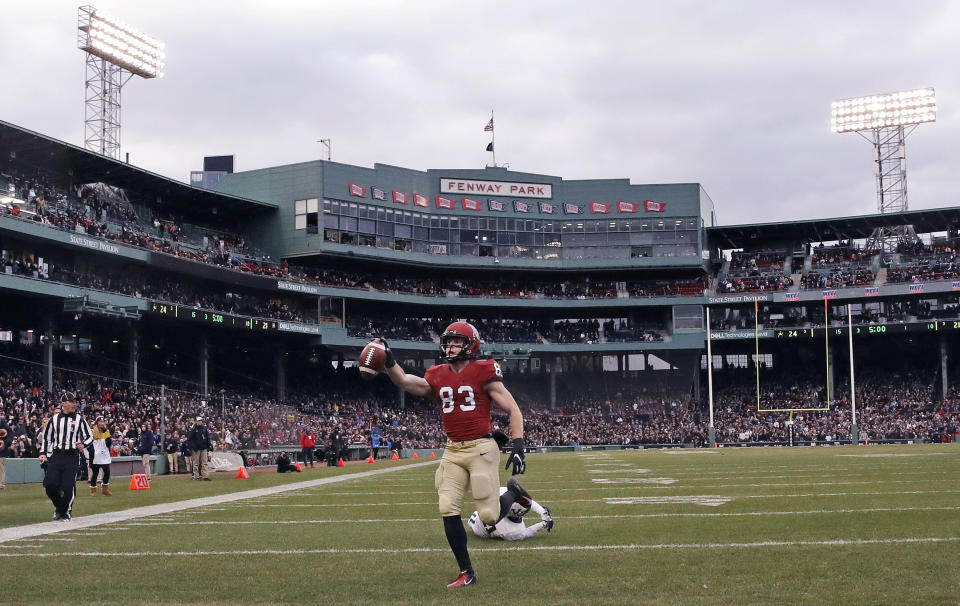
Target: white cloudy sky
[(734, 95)]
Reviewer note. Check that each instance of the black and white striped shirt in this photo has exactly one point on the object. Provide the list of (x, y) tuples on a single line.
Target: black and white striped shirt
[(63, 432)]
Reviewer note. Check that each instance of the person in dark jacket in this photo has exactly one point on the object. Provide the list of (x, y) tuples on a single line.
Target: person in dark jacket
[(145, 447), (284, 465), (199, 440), (172, 450), (187, 453)]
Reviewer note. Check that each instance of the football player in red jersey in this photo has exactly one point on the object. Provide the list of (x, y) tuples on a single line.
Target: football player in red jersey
[(465, 387)]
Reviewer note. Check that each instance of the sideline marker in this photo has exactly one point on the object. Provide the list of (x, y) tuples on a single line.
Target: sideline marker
[(415, 456), (242, 474), (139, 481), (370, 459), (340, 463), (394, 457)]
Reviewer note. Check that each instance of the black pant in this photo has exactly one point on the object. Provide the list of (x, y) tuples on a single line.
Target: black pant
[(95, 471), (307, 452), (60, 481)]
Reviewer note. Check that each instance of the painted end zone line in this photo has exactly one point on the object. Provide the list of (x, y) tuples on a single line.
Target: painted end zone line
[(630, 547), (43, 528)]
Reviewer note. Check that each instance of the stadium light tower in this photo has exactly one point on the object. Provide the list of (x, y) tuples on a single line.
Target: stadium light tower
[(115, 53), (885, 121)]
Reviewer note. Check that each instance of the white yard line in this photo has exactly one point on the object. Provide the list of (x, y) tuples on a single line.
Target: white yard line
[(17, 533), (565, 517), (606, 499), (445, 550)]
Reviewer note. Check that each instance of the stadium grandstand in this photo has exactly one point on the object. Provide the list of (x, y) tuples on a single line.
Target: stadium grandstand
[(157, 301)]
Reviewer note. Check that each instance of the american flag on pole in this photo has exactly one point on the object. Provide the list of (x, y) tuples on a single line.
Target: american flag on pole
[(792, 296), (916, 287), (489, 126), (871, 291)]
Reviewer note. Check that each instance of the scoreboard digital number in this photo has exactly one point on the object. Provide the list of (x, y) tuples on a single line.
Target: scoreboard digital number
[(205, 316)]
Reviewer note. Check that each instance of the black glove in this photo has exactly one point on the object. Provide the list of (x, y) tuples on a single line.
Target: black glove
[(390, 362), (516, 458), (500, 438)]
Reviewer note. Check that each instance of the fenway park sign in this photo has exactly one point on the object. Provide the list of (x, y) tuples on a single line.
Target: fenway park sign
[(496, 188)]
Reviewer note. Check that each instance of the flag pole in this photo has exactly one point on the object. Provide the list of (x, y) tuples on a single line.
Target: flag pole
[(493, 139)]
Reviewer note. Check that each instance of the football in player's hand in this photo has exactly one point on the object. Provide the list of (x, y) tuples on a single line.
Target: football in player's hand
[(372, 359)]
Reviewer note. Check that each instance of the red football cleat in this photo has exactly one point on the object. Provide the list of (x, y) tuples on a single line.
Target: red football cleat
[(465, 578)]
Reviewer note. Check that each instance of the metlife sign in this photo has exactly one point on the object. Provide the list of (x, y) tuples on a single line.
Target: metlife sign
[(509, 189)]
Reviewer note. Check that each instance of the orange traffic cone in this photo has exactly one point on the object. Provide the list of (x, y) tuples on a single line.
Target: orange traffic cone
[(433, 455), (415, 456), (394, 457), (297, 465), (370, 459), (340, 463), (242, 474)]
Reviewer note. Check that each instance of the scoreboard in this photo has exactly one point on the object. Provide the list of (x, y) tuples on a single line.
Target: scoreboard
[(888, 328), (215, 318)]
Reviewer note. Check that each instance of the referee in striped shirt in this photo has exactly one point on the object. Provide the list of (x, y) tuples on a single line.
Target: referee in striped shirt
[(65, 436)]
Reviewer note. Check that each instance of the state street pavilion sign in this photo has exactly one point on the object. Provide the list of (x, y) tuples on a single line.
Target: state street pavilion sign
[(509, 189)]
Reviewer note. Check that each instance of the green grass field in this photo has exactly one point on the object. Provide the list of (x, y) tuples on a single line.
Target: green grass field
[(867, 525)]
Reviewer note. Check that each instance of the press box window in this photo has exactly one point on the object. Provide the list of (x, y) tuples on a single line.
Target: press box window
[(306, 214)]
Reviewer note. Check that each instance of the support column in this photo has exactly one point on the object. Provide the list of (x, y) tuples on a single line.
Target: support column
[(401, 398), (47, 338), (204, 364), (944, 365), (552, 371), (134, 355), (280, 363)]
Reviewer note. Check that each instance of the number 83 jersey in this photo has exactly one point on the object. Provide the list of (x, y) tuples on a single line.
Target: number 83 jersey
[(464, 403)]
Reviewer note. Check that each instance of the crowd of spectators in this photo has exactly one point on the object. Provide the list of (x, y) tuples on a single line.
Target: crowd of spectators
[(750, 263), (101, 212), (180, 290), (408, 329), (843, 253), (899, 406), (839, 278), (754, 284), (926, 263), (754, 271)]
